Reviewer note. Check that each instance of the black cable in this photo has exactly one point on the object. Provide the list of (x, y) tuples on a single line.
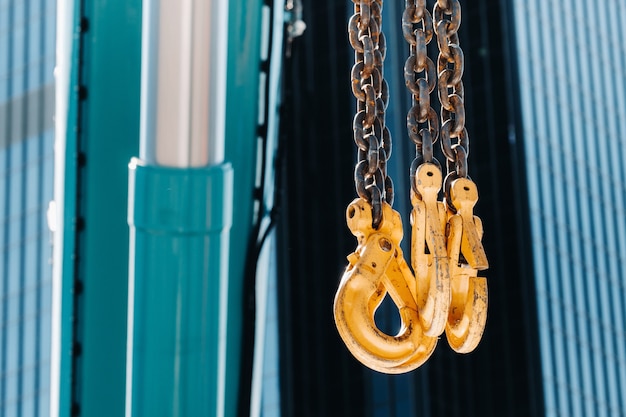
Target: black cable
[(255, 245), (81, 95)]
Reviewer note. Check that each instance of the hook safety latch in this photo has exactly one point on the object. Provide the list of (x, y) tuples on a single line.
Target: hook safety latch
[(428, 249), (376, 268), (468, 308)]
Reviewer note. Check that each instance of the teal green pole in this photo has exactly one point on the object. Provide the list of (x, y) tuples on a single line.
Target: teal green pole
[(109, 64), (180, 215), (97, 116), (180, 221), (244, 38)]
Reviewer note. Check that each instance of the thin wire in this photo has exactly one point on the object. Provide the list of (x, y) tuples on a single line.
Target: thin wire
[(256, 241)]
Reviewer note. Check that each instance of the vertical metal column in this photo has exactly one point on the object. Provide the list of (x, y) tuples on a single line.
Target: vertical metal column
[(180, 210), (63, 213), (97, 125)]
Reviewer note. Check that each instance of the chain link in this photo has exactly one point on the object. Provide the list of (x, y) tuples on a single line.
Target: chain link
[(450, 67), (371, 91), (420, 79)]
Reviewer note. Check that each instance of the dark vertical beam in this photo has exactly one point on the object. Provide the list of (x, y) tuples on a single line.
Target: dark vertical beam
[(318, 375)]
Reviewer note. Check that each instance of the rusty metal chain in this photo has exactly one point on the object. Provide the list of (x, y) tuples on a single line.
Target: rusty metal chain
[(450, 66), (370, 89), (420, 79)]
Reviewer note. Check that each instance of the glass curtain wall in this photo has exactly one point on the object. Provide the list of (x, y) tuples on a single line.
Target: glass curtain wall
[(571, 63), (27, 57)]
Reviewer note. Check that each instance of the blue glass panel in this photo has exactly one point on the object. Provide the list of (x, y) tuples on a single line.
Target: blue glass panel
[(12, 358), (4, 48), (28, 386), (44, 374), (30, 226), (29, 309), (44, 403), (11, 407), (45, 325), (46, 299), (13, 279), (49, 40), (18, 50), (15, 174), (28, 406), (34, 30), (572, 115), (31, 279), (270, 400), (27, 53), (33, 159), (48, 163)]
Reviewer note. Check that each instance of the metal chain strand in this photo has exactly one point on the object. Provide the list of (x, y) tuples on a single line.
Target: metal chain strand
[(420, 79), (371, 91), (450, 67)]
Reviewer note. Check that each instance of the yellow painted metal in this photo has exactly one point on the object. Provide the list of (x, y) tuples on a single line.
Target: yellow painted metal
[(427, 346), (464, 196), (468, 309), (445, 294), (377, 267), (428, 249)]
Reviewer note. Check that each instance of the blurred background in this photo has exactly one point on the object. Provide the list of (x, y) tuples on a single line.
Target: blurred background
[(545, 98)]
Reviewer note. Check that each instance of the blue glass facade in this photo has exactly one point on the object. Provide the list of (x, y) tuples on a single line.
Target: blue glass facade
[(27, 56), (571, 59)]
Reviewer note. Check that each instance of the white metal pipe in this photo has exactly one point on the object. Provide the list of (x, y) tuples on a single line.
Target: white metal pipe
[(183, 91), (59, 363)]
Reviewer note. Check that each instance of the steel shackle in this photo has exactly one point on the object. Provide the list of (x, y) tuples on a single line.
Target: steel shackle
[(375, 269)]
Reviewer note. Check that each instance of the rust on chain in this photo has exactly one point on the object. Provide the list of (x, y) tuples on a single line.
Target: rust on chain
[(371, 91), (420, 78), (450, 68), (458, 108)]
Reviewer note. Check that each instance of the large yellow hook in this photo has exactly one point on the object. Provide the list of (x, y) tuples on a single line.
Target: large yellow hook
[(428, 249), (468, 308), (375, 268)]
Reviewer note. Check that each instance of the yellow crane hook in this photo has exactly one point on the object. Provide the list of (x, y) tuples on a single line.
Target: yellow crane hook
[(468, 308), (376, 268)]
